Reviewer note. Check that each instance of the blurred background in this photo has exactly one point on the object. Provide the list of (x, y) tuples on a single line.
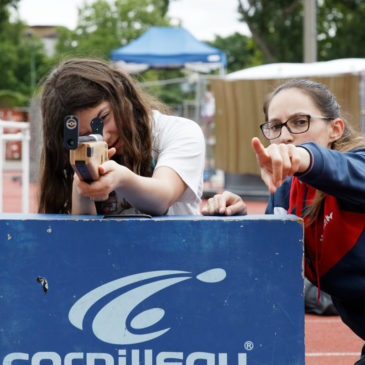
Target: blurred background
[(248, 48)]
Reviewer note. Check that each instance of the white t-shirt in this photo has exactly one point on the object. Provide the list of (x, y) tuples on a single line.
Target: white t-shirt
[(178, 143)]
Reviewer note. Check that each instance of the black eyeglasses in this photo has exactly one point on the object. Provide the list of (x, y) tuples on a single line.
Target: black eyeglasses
[(296, 124)]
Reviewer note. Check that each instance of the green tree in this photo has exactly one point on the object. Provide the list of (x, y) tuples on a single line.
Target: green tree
[(22, 62), (4, 11), (240, 50), (104, 26), (276, 27), (341, 29)]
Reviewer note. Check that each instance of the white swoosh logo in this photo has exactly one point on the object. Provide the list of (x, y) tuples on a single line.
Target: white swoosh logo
[(110, 323)]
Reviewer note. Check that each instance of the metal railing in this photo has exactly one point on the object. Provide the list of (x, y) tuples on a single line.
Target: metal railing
[(24, 137)]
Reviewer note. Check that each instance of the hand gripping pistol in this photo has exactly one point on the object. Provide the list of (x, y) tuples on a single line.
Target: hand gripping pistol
[(86, 152)]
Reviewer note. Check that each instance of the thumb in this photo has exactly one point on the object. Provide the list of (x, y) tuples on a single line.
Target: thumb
[(111, 152)]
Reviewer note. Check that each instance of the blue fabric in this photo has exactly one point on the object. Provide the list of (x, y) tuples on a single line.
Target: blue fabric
[(167, 46), (281, 197), (335, 173), (339, 174)]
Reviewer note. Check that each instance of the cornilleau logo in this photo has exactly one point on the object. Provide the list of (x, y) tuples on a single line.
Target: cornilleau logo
[(111, 322)]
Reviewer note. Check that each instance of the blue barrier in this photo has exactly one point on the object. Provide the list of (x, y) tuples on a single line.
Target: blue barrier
[(173, 290)]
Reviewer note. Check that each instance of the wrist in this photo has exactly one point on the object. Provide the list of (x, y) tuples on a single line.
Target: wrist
[(306, 159), (126, 178)]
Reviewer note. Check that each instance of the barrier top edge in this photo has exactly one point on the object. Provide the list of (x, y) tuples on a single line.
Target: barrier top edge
[(30, 216)]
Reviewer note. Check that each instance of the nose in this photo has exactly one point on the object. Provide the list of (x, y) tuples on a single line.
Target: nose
[(106, 134), (285, 136), (110, 132), (107, 137)]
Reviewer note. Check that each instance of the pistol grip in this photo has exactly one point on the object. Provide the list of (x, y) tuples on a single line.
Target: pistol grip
[(86, 159)]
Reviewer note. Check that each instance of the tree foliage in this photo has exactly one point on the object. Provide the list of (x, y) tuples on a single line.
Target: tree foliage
[(4, 11), (277, 28), (22, 62), (341, 29), (104, 26), (240, 50)]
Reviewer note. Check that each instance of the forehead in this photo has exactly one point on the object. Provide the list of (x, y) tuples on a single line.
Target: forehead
[(291, 101), (93, 110)]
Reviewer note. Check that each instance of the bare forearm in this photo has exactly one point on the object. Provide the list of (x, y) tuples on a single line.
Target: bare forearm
[(81, 204), (150, 195)]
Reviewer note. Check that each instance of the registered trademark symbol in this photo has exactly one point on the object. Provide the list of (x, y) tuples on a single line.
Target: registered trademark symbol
[(248, 345)]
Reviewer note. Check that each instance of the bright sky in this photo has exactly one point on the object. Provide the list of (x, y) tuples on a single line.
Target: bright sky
[(203, 18)]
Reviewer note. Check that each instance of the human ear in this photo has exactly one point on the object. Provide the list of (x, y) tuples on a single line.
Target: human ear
[(337, 128)]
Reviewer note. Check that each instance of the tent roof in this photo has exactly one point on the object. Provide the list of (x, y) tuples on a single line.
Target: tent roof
[(290, 70), (162, 47)]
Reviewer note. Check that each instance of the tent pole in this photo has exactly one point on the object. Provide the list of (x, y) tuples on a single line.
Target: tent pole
[(222, 70), (197, 100)]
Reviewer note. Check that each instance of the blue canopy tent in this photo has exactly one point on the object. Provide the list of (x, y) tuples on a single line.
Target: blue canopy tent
[(169, 47)]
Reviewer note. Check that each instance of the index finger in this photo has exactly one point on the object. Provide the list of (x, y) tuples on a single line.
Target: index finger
[(260, 150)]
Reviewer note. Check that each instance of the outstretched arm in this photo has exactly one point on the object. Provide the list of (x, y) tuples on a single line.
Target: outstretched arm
[(340, 174)]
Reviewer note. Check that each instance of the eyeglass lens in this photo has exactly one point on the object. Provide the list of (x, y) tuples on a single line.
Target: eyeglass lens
[(297, 124)]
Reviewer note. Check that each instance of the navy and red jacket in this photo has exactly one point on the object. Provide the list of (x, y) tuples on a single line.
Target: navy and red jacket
[(335, 243)]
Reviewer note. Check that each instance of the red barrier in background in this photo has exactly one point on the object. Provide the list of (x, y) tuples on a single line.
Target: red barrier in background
[(13, 149)]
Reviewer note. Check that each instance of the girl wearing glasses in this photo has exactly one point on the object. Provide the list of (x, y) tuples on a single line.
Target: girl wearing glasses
[(314, 167), (156, 160)]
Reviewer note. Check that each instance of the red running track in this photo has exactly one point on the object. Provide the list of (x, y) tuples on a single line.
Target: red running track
[(327, 340), (12, 193)]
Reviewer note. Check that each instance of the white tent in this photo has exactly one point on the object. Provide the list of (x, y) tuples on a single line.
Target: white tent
[(292, 70)]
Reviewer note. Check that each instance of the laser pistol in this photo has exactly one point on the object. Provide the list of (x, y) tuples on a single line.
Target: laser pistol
[(87, 153)]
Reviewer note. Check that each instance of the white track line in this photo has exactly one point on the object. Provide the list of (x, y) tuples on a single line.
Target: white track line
[(323, 320), (321, 354)]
